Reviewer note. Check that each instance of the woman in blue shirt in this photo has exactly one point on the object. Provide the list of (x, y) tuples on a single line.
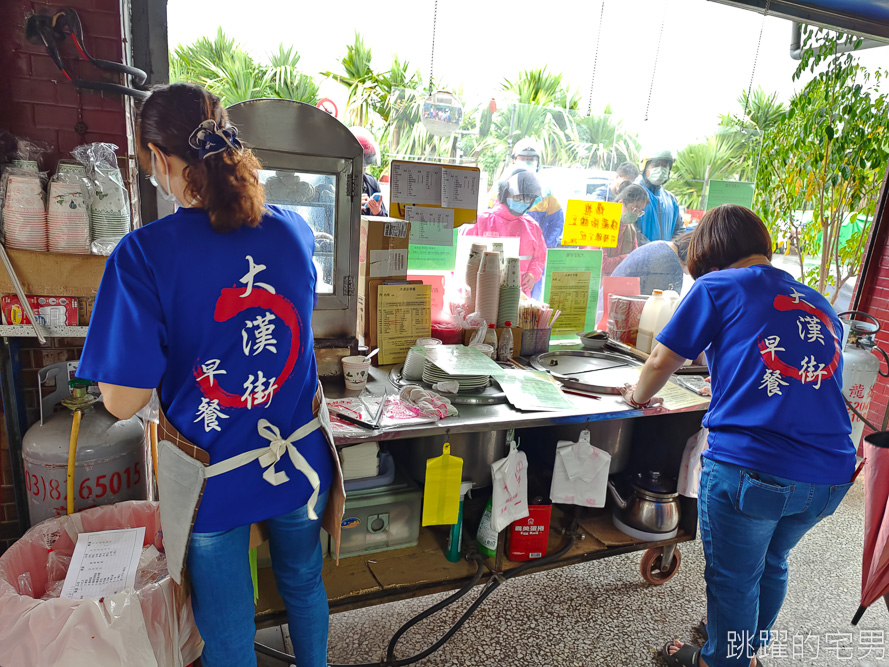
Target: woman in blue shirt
[(214, 305), (779, 455)]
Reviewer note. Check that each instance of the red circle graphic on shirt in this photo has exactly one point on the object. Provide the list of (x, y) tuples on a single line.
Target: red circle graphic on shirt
[(230, 304), (773, 361)]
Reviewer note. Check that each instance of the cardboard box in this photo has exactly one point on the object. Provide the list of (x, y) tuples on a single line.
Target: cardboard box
[(382, 254), (516, 338), (51, 311), (54, 273)]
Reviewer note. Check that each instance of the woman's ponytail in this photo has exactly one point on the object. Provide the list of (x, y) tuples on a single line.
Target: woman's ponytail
[(221, 176)]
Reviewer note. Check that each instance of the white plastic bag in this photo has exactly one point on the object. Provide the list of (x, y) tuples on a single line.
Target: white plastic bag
[(690, 470), (510, 500), (580, 473)]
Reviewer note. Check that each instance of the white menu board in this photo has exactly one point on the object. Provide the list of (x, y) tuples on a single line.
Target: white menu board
[(104, 563), (459, 187), (415, 183)]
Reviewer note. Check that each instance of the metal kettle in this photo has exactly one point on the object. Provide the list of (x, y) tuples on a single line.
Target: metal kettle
[(651, 510)]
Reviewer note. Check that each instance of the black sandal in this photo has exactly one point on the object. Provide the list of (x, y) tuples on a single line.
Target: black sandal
[(687, 656), (701, 629)]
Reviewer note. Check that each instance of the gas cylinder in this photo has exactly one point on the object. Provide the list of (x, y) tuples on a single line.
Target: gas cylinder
[(110, 458), (860, 367)]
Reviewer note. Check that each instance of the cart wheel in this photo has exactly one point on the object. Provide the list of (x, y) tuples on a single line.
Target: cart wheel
[(650, 568)]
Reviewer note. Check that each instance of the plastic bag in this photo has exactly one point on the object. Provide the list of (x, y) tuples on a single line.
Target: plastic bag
[(145, 627), (690, 468), (510, 499), (23, 197), (68, 210), (441, 494), (110, 202), (580, 473)]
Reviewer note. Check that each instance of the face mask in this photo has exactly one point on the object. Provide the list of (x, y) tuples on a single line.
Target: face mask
[(629, 217), (517, 207), (166, 195), (658, 175)]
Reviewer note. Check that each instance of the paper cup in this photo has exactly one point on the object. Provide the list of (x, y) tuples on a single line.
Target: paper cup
[(426, 342), (484, 348), (355, 371)]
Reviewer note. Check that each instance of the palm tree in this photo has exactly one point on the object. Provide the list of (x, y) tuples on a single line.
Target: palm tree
[(603, 143), (227, 70), (696, 165), (359, 78)]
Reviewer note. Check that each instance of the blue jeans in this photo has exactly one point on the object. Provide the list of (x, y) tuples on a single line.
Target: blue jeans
[(749, 521), (222, 591)]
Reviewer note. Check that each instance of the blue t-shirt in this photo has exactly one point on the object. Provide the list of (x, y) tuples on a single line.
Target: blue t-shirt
[(657, 266), (225, 321), (773, 346)]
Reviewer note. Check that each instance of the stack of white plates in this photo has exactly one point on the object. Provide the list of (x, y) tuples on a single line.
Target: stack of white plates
[(67, 218), (487, 290), (413, 364), (432, 374), (110, 215), (24, 213)]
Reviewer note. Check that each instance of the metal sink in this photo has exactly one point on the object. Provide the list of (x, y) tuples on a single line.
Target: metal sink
[(599, 372)]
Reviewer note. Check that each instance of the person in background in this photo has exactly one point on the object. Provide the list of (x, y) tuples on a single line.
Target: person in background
[(214, 304), (779, 457), (516, 194), (371, 195), (547, 211), (627, 172), (658, 265), (633, 199), (660, 222)]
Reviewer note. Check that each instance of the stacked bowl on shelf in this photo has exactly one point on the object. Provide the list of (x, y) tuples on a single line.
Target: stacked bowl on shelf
[(67, 212), (110, 214), (24, 209)]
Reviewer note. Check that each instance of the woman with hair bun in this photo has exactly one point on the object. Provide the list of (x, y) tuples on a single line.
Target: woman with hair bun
[(213, 305)]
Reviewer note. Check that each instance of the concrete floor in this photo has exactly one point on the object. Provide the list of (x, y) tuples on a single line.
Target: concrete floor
[(603, 613)]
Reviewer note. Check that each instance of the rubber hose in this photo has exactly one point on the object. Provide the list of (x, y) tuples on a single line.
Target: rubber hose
[(72, 453)]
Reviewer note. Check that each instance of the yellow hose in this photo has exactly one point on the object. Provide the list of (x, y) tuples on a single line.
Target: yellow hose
[(72, 451)]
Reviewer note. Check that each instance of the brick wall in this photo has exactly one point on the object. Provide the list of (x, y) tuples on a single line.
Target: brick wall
[(38, 103), (873, 298)]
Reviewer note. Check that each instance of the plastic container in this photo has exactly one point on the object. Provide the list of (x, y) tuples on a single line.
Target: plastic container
[(380, 519), (535, 341), (455, 536), (647, 323), (505, 347), (665, 312), (486, 535), (385, 477)]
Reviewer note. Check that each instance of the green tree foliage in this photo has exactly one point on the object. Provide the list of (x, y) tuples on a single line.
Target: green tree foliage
[(227, 70), (716, 159), (827, 155)]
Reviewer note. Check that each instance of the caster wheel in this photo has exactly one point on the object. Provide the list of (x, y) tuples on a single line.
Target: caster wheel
[(650, 567)]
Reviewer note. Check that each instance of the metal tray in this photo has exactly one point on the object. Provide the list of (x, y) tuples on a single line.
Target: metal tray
[(589, 371), (631, 351), (490, 395)]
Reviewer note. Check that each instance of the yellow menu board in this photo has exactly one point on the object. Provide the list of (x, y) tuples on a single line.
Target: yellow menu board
[(425, 185), (591, 223), (403, 316)]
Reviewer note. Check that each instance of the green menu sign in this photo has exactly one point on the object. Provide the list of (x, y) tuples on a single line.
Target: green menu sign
[(729, 192), (432, 257)]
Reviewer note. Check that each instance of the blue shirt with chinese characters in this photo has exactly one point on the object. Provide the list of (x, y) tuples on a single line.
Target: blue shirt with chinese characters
[(223, 322), (774, 350)]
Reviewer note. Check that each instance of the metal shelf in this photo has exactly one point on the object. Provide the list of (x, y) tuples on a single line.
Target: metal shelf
[(27, 331)]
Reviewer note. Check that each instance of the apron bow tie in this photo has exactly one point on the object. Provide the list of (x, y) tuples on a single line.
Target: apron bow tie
[(278, 446)]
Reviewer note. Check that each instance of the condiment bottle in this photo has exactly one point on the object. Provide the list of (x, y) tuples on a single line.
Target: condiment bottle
[(505, 348), (491, 337)]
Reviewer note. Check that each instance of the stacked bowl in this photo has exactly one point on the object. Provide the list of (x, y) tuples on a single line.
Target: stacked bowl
[(67, 213), (110, 214), (24, 213)]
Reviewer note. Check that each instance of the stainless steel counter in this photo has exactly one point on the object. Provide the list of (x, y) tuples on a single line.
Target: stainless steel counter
[(475, 418)]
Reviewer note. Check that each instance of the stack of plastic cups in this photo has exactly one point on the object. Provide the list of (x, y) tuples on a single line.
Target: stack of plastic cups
[(487, 291), (472, 266), (510, 293)]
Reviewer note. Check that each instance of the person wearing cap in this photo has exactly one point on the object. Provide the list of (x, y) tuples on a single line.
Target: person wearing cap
[(660, 222), (548, 212), (627, 172), (516, 194), (370, 205)]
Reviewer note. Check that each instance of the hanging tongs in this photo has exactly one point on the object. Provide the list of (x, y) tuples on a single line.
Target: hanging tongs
[(20, 293)]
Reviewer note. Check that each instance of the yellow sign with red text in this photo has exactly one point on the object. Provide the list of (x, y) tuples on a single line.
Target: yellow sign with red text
[(592, 224)]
